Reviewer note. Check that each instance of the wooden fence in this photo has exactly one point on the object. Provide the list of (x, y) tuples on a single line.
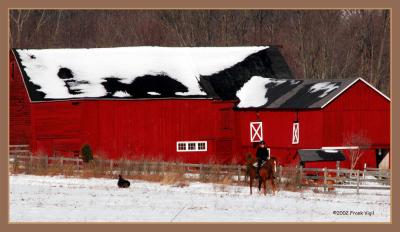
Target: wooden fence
[(298, 176)]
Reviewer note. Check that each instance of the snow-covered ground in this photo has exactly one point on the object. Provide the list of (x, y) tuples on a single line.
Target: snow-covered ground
[(61, 199)]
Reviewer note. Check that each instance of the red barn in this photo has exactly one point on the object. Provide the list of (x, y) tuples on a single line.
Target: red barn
[(188, 104)]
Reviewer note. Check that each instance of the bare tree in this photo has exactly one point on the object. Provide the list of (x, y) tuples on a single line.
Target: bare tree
[(19, 18), (360, 142), (317, 44)]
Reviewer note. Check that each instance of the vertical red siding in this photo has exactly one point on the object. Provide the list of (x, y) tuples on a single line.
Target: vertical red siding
[(148, 128), (277, 132), (359, 110), (19, 103)]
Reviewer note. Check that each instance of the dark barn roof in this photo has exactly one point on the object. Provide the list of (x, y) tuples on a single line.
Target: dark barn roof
[(310, 155), (268, 63)]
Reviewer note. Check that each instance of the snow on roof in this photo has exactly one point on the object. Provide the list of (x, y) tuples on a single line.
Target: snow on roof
[(109, 72), (326, 87), (262, 91), (253, 93), (272, 93), (153, 93), (121, 94)]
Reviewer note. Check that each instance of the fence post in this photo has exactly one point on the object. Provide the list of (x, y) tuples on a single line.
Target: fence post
[(337, 168), (15, 163), (46, 160), (30, 163), (358, 181), (111, 165), (62, 162), (280, 173), (325, 176), (365, 170), (201, 172), (301, 176), (238, 172)]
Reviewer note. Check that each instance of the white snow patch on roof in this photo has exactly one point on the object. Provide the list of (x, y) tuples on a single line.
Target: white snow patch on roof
[(184, 64), (253, 93), (331, 151), (327, 87), (121, 94), (153, 93)]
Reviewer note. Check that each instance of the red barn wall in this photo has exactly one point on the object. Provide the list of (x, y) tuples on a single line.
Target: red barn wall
[(19, 107), (277, 132), (135, 128), (359, 110)]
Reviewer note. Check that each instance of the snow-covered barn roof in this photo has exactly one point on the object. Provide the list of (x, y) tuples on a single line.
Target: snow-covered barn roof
[(261, 92), (145, 72)]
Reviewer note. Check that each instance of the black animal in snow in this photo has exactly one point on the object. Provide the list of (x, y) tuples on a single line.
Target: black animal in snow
[(122, 183)]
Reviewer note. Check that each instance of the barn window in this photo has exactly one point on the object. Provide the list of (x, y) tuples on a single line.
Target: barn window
[(184, 146), (192, 146), (256, 132), (181, 146), (296, 133), (201, 146)]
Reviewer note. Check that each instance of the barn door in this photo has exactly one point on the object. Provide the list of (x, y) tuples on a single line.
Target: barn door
[(256, 131)]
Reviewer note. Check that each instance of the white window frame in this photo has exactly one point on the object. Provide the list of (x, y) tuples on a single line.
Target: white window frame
[(258, 132), (187, 146), (296, 133)]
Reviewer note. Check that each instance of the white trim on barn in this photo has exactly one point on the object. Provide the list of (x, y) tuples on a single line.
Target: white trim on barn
[(256, 132), (341, 148), (355, 81), (191, 146)]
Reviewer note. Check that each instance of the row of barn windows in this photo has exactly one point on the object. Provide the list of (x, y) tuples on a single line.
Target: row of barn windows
[(256, 135), (191, 146)]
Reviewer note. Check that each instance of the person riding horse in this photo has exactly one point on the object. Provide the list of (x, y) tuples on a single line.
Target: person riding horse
[(262, 155)]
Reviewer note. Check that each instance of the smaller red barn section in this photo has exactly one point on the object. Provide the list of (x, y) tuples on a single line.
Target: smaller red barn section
[(347, 115), (194, 105)]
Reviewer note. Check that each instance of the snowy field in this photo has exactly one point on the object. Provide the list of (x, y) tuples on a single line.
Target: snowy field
[(60, 199)]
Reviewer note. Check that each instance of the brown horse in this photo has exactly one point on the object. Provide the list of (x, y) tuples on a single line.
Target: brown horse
[(267, 172)]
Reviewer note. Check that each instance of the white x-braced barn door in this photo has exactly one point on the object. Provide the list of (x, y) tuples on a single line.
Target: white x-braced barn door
[(256, 132), (296, 133)]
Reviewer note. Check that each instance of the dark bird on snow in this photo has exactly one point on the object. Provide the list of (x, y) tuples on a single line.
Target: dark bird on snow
[(122, 183)]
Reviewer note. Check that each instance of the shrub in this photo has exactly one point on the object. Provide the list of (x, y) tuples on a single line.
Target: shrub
[(86, 153)]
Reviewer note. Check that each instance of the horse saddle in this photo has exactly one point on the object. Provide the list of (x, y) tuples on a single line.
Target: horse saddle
[(256, 163)]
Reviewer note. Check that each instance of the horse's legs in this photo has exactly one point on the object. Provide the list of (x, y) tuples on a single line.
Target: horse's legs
[(259, 183), (273, 186), (265, 186)]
